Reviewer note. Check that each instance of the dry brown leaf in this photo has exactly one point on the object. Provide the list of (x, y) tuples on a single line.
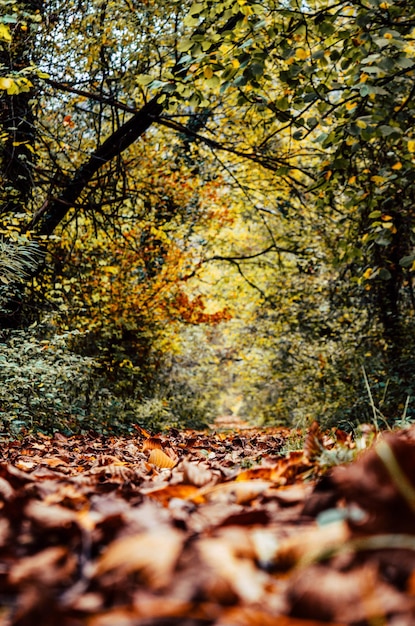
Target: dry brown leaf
[(15, 477), (310, 545), (154, 554), (26, 465), (256, 473), (152, 443), (197, 474), (50, 516), (49, 567), (161, 459), (149, 606), (240, 492), (142, 431), (292, 494), (6, 490), (382, 483), (231, 573), (115, 471), (90, 602), (122, 616), (243, 616), (54, 461), (356, 596), (222, 568), (290, 467), (313, 443), (106, 459), (285, 470)]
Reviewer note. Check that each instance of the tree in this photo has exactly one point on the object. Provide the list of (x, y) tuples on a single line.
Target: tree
[(345, 77)]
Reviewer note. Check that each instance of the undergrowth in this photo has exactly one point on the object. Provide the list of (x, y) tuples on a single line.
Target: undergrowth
[(46, 386)]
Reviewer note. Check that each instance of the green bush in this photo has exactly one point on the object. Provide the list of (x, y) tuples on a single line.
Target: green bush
[(46, 386)]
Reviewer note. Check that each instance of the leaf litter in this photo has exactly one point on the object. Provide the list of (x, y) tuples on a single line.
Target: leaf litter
[(208, 528)]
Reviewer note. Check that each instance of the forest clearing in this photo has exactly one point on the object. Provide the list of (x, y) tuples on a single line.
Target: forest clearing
[(207, 312)]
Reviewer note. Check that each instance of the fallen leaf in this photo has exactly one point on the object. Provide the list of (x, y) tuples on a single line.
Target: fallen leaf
[(152, 443), (310, 545), (382, 484), (161, 459), (154, 555), (49, 567), (197, 474), (355, 596), (183, 492), (240, 492), (243, 616)]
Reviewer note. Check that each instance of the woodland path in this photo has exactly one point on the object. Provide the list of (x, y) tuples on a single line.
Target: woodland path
[(225, 528)]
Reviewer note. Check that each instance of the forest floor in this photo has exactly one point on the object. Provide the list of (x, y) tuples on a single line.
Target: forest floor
[(223, 527)]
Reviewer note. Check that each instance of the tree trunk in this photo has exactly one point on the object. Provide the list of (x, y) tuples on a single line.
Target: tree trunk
[(54, 211)]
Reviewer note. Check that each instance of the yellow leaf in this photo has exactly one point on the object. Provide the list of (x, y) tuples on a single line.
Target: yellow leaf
[(352, 180), (350, 105), (5, 83), (367, 274), (411, 145), (301, 54), (378, 179), (207, 71), (397, 166), (5, 33), (14, 89)]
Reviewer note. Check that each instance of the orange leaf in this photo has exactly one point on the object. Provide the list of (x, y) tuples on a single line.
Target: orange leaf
[(160, 459), (153, 443), (256, 473), (142, 431), (183, 492)]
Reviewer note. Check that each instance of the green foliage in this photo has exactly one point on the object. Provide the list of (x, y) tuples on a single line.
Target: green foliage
[(45, 385)]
